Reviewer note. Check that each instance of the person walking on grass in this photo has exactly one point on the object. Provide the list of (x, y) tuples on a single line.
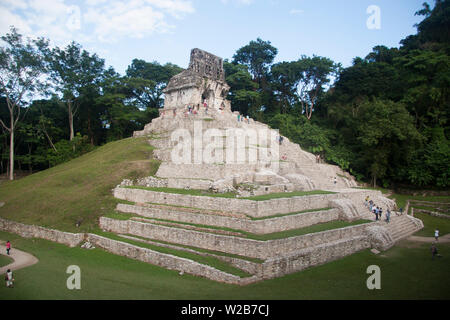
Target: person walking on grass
[(436, 234), (9, 278), (434, 251), (8, 247)]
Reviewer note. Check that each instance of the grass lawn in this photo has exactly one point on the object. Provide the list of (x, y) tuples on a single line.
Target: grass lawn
[(78, 190), (407, 272), (194, 192), (5, 260), (430, 224)]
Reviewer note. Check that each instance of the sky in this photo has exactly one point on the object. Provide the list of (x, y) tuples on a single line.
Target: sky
[(166, 30)]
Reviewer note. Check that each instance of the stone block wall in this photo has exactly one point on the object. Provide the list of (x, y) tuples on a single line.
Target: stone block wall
[(314, 256), (32, 231), (198, 184), (229, 244), (161, 259), (208, 203), (256, 209), (264, 226)]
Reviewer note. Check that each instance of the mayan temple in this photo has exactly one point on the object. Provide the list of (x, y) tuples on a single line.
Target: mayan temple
[(254, 191)]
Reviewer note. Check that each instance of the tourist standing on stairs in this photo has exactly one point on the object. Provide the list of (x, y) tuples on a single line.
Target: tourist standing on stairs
[(388, 216)]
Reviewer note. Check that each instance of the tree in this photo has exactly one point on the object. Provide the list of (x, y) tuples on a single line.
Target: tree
[(243, 92), (285, 79), (383, 130), (73, 71), (21, 67), (435, 28), (313, 74), (257, 56), (147, 80)]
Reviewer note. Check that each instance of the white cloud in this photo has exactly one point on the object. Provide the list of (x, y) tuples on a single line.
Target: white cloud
[(11, 19), (135, 18), (174, 7), (92, 20), (296, 11), (239, 2), (94, 2), (115, 23)]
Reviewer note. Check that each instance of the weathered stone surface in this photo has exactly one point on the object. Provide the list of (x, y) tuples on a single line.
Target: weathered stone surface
[(203, 82), (264, 226), (348, 211), (379, 237)]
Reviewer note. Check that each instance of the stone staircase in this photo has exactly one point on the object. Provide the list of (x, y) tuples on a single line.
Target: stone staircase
[(403, 226)]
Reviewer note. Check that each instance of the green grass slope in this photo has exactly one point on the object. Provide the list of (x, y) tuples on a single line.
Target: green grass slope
[(78, 190), (108, 276)]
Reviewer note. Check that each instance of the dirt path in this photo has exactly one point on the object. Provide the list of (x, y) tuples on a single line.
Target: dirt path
[(443, 239), (21, 259)]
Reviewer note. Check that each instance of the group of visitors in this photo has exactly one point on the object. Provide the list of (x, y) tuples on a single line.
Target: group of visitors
[(192, 110), (9, 275), (188, 110), (241, 118), (376, 210)]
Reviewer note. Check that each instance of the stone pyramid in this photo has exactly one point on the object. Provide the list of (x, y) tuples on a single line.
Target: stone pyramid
[(229, 161), (197, 111)]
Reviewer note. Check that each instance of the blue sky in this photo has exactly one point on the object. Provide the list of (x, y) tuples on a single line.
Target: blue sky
[(166, 30)]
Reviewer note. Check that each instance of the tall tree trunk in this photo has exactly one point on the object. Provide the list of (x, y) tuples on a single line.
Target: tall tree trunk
[(30, 165), (91, 134), (70, 111), (11, 151)]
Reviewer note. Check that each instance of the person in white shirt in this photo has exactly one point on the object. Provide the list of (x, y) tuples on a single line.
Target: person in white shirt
[(436, 234), (9, 278)]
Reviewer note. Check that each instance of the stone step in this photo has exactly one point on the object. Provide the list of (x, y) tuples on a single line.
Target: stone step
[(188, 227), (197, 211), (240, 263), (231, 221), (402, 227)]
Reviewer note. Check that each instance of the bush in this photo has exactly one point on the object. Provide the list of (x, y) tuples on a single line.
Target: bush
[(67, 150)]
